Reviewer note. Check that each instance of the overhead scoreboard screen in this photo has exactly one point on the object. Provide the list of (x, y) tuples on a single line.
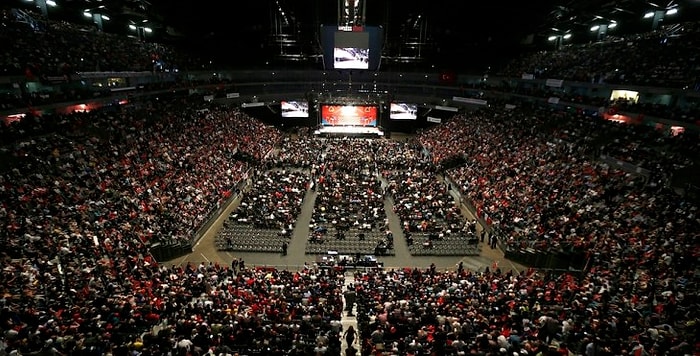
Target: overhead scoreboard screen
[(349, 115), (351, 47), (351, 50)]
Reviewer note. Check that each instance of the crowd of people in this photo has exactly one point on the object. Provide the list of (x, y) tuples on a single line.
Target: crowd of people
[(40, 47), (611, 310), (81, 206), (84, 195), (266, 214), (662, 58), (140, 171), (528, 174), (349, 155), (349, 204), (346, 204), (86, 201), (273, 201), (128, 307), (350, 177), (425, 207), (544, 193)]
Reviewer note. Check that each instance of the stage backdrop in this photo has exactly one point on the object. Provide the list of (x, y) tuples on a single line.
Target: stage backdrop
[(348, 115)]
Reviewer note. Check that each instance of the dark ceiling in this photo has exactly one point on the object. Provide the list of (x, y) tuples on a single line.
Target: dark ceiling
[(450, 33), (448, 30)]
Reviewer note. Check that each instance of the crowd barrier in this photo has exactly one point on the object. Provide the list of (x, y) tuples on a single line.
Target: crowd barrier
[(161, 252), (568, 261), (625, 166)]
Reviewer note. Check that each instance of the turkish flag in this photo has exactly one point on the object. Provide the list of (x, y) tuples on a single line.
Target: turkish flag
[(448, 77)]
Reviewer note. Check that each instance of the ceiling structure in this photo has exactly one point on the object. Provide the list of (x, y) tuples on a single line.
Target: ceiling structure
[(437, 33)]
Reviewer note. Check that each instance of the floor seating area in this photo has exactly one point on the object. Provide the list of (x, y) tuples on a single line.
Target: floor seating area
[(248, 238), (433, 224), (348, 214), (457, 244), (351, 244), (265, 218)]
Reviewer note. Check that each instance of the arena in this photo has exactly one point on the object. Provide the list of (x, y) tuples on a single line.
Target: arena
[(351, 199)]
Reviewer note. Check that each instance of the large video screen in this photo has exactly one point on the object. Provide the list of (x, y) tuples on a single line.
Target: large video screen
[(348, 115), (344, 49), (351, 50), (403, 111), (294, 108), (351, 58)]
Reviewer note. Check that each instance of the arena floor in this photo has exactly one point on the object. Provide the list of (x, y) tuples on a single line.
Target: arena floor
[(206, 251)]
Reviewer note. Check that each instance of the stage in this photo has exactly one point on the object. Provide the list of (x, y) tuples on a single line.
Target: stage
[(355, 131)]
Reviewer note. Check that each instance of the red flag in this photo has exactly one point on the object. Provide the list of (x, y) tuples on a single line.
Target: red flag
[(448, 77)]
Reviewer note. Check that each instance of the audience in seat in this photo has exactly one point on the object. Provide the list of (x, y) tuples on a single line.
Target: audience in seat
[(615, 309), (348, 215), (49, 48), (267, 213), (528, 171), (86, 201), (663, 58), (81, 206), (543, 192), (84, 196), (429, 213)]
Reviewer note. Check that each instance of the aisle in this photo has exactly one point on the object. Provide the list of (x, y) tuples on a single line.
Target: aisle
[(296, 255), (349, 319)]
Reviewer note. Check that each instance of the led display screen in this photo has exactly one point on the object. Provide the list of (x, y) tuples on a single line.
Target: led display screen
[(294, 108), (351, 58), (352, 49), (348, 115), (403, 111)]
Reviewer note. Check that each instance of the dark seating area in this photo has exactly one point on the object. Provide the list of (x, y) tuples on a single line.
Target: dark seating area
[(76, 48), (662, 58)]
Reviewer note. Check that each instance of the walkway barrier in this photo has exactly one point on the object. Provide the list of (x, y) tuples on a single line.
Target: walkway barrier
[(169, 252), (625, 166), (547, 260)]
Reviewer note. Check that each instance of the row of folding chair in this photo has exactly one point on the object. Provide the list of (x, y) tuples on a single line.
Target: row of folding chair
[(322, 249), (444, 250), (241, 238)]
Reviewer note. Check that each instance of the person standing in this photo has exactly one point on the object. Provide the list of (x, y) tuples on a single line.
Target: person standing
[(284, 248), (234, 265), (350, 299), (350, 351), (350, 335)]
